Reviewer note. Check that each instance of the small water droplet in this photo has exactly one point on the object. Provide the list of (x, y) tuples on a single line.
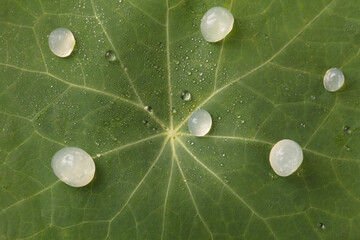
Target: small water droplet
[(186, 95), (98, 155), (110, 56), (313, 97), (321, 225), (146, 122), (346, 128), (223, 154), (148, 108), (347, 148), (173, 110), (221, 164), (303, 125)]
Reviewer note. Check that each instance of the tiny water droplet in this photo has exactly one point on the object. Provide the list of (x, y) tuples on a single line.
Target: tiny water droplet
[(148, 108), (110, 56), (146, 122), (223, 154), (98, 155), (321, 225), (347, 148), (173, 110), (346, 128), (186, 95), (221, 164), (303, 125)]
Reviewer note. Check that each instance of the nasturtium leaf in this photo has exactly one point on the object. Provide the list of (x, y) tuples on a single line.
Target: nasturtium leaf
[(154, 180)]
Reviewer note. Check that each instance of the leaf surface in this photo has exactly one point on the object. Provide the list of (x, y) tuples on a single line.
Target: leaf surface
[(153, 180)]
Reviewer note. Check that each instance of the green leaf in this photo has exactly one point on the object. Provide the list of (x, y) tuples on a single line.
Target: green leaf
[(154, 180)]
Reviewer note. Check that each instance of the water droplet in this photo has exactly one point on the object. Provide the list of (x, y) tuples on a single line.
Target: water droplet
[(200, 123), (285, 157), (110, 56), (221, 164), (346, 128), (303, 125), (186, 95), (148, 108), (98, 155), (61, 42), (313, 97), (321, 225), (173, 110), (334, 79), (216, 24), (347, 148), (73, 166), (223, 154)]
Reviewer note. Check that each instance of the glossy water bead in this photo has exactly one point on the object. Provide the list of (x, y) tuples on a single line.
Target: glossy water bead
[(285, 157), (61, 42), (73, 166), (334, 79), (200, 123), (216, 24)]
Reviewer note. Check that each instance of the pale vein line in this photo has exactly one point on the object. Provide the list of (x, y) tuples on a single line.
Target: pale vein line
[(137, 187), (48, 139), (82, 70), (69, 14), (41, 51), (15, 116), (188, 188), (341, 184), (271, 144), (259, 66), (230, 137), (26, 10), (91, 90), (168, 65), (148, 15), (321, 124), (29, 197), (50, 104), (166, 198), (116, 52), (220, 56), (17, 25), (293, 69), (227, 186), (130, 144), (176, 5)]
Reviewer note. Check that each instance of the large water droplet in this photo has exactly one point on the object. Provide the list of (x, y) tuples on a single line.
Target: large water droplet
[(285, 157), (73, 166), (61, 42), (216, 24), (186, 95), (110, 56), (334, 79), (200, 123)]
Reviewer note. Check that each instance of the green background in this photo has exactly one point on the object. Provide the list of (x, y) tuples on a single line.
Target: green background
[(153, 180)]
